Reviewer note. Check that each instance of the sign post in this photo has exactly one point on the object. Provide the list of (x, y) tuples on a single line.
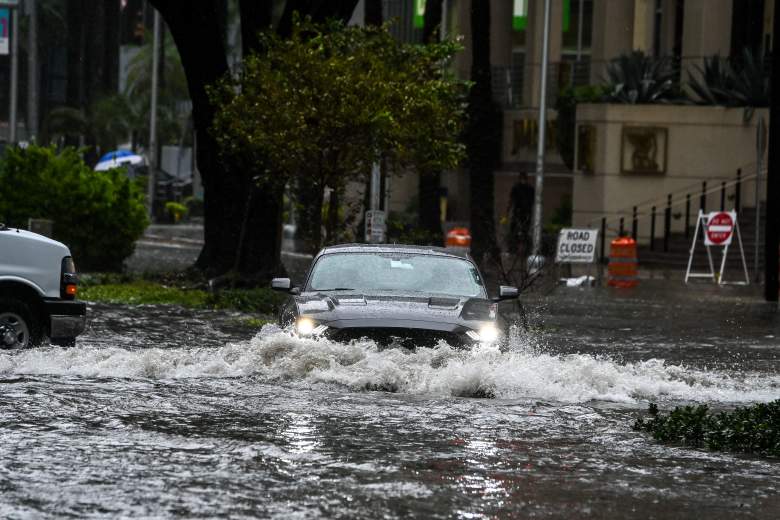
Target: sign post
[(718, 230)]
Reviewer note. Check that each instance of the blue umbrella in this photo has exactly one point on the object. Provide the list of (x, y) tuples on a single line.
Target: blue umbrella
[(115, 155)]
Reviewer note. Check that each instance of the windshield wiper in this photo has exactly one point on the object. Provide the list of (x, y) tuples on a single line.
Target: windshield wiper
[(336, 289)]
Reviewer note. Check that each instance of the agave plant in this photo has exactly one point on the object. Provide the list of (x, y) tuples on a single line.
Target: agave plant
[(636, 78), (713, 83), (751, 81), (731, 83)]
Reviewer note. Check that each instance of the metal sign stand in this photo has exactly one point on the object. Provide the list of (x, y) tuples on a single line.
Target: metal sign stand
[(717, 277)]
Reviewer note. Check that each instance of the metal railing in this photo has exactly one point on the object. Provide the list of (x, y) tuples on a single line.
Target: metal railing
[(664, 208), (508, 81)]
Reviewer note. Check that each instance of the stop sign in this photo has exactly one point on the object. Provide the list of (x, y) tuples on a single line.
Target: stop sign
[(720, 226)]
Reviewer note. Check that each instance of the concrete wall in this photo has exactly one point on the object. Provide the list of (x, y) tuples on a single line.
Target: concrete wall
[(703, 144)]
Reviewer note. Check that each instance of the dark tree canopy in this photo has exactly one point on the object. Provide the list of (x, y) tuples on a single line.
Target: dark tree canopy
[(351, 97)]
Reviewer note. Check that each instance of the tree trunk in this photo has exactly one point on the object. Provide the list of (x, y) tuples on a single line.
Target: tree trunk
[(255, 18), (373, 13), (483, 136), (429, 185), (309, 199), (319, 10), (333, 217), (198, 38)]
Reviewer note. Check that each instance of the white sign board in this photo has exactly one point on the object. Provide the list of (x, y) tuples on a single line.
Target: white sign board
[(376, 227), (576, 246), (719, 229), (5, 30)]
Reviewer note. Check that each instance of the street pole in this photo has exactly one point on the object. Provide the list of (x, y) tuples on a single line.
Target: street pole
[(14, 75), (537, 222), (376, 179), (760, 149), (153, 112), (772, 227), (32, 71)]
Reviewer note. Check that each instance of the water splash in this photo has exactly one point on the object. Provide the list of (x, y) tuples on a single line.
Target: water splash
[(524, 371)]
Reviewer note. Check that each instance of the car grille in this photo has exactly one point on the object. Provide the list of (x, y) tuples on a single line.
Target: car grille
[(407, 338)]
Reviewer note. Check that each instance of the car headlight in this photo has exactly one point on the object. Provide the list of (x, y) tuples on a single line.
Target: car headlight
[(308, 327), (487, 334)]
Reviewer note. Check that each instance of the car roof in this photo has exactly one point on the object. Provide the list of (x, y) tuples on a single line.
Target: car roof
[(396, 248)]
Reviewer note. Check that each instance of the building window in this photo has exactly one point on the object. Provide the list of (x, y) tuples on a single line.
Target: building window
[(576, 44)]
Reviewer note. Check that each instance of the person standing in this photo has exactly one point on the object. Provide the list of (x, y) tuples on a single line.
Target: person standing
[(521, 203)]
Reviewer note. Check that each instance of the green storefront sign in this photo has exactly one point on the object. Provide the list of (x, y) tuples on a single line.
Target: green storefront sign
[(419, 13), (520, 14)]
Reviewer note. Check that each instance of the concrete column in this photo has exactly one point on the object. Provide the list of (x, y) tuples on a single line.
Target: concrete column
[(533, 53), (706, 30), (644, 22), (613, 33), (500, 33)]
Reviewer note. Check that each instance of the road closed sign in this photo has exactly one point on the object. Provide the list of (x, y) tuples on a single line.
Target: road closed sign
[(719, 229), (576, 246)]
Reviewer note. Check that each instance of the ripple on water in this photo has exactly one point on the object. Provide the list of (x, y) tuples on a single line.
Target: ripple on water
[(523, 371)]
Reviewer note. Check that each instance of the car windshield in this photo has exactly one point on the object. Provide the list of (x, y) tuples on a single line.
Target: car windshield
[(372, 272)]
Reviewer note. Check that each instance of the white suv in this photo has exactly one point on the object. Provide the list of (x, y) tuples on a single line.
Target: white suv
[(38, 287)]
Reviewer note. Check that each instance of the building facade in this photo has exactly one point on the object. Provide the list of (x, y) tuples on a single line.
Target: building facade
[(585, 35)]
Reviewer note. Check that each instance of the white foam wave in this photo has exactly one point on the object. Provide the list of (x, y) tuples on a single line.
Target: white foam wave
[(274, 356)]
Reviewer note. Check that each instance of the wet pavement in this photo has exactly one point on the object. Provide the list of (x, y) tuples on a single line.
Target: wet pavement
[(161, 412)]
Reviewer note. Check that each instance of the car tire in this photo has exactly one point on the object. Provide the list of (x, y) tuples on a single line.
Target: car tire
[(20, 324)]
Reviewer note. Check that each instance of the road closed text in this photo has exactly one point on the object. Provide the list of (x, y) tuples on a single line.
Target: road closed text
[(576, 245)]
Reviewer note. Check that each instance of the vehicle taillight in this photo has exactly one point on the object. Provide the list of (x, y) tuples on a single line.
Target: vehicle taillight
[(69, 280)]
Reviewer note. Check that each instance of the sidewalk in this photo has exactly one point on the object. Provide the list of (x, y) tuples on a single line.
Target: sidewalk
[(175, 247)]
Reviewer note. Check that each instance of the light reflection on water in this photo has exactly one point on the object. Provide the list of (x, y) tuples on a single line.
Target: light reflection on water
[(186, 417)]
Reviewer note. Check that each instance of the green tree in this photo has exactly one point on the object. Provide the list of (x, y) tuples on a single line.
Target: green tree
[(321, 106)]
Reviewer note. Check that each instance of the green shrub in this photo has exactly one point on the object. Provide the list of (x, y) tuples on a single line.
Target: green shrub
[(99, 215), (176, 210), (126, 290), (752, 429)]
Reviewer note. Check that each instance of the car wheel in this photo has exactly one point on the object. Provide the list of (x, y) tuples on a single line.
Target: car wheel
[(19, 325)]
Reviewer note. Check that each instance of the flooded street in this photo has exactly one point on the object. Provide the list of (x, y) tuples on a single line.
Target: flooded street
[(161, 412)]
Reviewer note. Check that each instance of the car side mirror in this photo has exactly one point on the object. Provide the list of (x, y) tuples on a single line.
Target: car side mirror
[(507, 292), (281, 284)]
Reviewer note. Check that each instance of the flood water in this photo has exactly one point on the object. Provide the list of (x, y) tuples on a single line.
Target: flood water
[(161, 412)]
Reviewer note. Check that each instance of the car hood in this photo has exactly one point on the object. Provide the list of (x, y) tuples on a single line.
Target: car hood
[(328, 307)]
